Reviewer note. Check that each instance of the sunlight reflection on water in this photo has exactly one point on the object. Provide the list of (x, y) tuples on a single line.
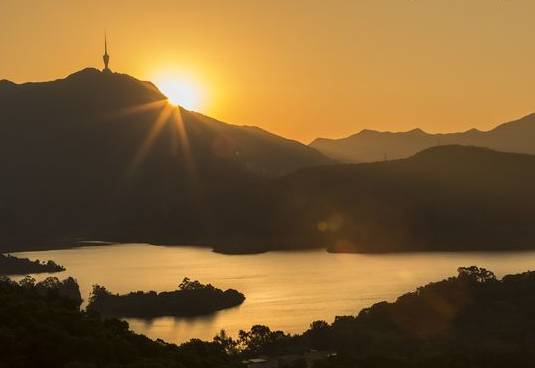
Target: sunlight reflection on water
[(284, 290)]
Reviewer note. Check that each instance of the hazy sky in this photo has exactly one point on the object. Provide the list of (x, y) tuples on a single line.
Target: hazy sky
[(298, 68)]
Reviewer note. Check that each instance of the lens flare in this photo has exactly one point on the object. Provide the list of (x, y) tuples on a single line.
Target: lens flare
[(180, 91)]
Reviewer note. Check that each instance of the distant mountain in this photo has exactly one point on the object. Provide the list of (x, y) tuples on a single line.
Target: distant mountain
[(253, 148), (102, 151), (444, 198), (368, 145)]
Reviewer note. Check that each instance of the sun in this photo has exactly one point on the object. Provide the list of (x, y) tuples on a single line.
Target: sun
[(180, 91)]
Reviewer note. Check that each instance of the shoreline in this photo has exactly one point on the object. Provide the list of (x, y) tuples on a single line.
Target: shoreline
[(234, 251)]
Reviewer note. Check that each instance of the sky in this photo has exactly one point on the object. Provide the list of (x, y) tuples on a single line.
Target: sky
[(301, 69)]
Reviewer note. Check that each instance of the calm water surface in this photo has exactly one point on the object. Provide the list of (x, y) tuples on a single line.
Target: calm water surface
[(284, 290)]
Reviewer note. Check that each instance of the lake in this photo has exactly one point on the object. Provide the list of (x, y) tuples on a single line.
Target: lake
[(284, 290)]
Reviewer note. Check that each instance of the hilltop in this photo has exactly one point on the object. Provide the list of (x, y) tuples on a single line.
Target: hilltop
[(91, 98)]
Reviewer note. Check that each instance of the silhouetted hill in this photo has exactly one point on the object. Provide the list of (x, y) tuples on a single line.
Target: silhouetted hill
[(444, 198), (99, 154), (103, 156), (471, 320), (108, 97), (368, 145)]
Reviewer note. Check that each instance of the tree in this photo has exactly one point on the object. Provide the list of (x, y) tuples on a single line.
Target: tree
[(188, 285), (319, 335), (476, 274), (227, 342), (261, 340), (27, 281)]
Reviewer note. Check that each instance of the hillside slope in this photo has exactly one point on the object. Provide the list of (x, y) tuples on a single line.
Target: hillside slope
[(444, 198), (104, 154)]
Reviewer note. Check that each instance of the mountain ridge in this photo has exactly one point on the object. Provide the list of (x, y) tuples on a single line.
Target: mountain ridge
[(370, 145), (96, 92)]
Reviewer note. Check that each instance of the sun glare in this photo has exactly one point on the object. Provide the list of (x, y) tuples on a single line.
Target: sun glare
[(180, 91)]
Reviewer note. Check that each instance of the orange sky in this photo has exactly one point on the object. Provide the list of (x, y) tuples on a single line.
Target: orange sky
[(298, 68)]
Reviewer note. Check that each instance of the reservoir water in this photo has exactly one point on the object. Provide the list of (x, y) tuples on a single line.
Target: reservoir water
[(284, 290)]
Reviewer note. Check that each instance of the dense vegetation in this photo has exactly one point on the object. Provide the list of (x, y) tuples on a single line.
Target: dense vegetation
[(472, 320), (191, 298), (41, 326), (11, 265)]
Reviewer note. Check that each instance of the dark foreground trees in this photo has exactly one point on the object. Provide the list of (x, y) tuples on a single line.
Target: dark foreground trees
[(41, 326), (471, 320)]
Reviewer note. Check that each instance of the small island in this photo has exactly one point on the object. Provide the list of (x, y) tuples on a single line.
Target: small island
[(11, 265), (190, 299)]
